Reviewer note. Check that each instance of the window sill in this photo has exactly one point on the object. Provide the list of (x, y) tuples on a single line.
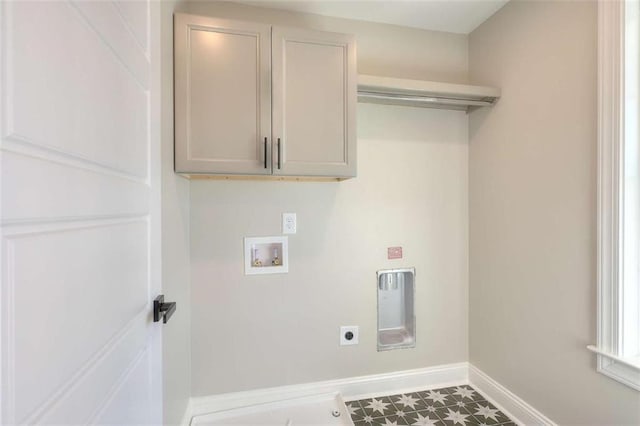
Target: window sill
[(623, 370)]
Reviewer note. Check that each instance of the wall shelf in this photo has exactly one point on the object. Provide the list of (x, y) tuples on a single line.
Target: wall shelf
[(424, 94)]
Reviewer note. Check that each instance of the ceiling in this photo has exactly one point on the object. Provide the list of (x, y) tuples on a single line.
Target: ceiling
[(456, 16)]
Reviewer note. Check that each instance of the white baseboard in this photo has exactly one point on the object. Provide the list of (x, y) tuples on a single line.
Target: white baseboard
[(378, 384), (512, 405), (351, 388), (188, 414)]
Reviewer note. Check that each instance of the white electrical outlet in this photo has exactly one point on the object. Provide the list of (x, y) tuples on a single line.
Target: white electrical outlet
[(349, 335), (289, 223)]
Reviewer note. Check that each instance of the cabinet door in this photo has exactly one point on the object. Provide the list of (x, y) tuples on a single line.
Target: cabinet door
[(222, 96), (314, 103)]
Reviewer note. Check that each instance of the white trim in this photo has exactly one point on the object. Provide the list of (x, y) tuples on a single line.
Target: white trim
[(188, 414), (623, 373), (350, 388), (609, 130), (610, 209), (631, 362), (505, 400), (374, 385)]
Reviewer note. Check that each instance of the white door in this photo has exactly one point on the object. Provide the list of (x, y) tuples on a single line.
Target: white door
[(80, 213)]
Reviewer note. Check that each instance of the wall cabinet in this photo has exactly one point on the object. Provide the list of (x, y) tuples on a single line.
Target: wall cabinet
[(255, 99)]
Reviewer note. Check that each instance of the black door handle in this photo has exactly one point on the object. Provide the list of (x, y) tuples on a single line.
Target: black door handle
[(265, 152), (278, 153), (162, 309)]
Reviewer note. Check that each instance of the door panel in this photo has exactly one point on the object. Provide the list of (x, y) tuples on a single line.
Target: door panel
[(319, 129), (120, 24), (135, 15), (67, 191), (79, 213), (73, 272), (314, 95), (89, 391), (68, 89), (223, 106), (132, 400), (223, 116)]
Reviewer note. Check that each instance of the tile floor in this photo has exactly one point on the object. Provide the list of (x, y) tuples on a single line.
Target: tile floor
[(457, 405)]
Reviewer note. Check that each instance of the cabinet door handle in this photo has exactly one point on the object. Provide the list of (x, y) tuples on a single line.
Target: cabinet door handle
[(278, 153), (265, 152)]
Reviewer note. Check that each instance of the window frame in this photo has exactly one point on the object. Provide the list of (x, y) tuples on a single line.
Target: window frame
[(611, 98)]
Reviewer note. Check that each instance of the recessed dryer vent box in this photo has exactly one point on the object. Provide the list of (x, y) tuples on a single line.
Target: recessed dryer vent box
[(396, 315)]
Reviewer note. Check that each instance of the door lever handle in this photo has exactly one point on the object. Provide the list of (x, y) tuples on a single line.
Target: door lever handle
[(162, 310)]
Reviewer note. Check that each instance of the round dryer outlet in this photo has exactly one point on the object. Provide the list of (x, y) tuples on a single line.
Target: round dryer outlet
[(349, 335)]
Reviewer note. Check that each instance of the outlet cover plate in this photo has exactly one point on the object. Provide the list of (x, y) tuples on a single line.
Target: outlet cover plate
[(354, 329), (289, 223)]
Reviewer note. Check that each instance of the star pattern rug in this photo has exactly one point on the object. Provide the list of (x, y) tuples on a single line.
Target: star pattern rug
[(456, 405)]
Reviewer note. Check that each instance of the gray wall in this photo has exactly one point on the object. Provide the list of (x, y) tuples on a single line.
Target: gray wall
[(271, 330), (175, 247), (532, 183), (259, 331)]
